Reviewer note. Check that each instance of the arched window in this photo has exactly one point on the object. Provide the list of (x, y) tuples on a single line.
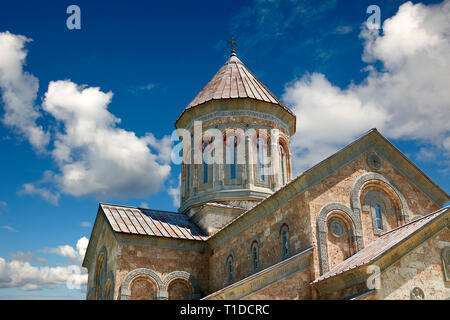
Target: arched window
[(282, 155), (233, 156), (230, 269), (378, 221), (260, 147), (285, 247), (205, 162), (384, 207), (180, 289), (255, 256), (446, 262), (100, 277)]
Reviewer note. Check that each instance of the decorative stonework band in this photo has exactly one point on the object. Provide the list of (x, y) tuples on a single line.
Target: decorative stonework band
[(241, 113)]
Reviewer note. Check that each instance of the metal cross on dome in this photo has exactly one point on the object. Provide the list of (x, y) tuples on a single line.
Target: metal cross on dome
[(233, 44)]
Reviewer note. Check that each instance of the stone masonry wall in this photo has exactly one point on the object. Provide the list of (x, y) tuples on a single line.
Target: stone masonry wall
[(163, 261), (295, 287), (421, 268), (267, 230), (105, 240), (337, 188)]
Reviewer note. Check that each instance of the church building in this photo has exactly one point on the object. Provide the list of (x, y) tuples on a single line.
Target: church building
[(365, 223)]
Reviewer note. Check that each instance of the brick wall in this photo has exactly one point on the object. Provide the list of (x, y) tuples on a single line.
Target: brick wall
[(267, 230)]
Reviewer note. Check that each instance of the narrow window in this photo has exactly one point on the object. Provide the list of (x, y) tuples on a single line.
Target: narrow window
[(378, 215), (205, 163), (260, 159), (285, 242), (282, 165), (233, 156), (446, 263), (255, 256), (230, 269)]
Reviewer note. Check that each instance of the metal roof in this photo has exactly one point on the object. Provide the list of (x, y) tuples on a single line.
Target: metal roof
[(150, 222), (381, 245), (234, 80)]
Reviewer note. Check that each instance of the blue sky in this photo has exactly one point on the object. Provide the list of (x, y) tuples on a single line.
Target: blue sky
[(154, 57)]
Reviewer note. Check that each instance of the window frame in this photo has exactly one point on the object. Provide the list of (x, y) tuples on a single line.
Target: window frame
[(285, 242), (254, 249)]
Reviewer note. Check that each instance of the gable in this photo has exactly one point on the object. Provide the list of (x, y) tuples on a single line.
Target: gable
[(371, 141), (383, 253)]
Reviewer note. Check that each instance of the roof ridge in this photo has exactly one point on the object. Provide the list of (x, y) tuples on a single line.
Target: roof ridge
[(131, 207), (426, 215)]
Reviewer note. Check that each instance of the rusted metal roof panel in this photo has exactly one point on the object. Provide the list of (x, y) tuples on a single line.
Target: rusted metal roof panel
[(151, 222), (234, 80)]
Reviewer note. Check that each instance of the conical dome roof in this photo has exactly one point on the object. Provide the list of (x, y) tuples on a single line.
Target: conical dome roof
[(235, 80)]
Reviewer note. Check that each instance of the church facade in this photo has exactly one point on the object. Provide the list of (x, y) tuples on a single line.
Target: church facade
[(365, 223)]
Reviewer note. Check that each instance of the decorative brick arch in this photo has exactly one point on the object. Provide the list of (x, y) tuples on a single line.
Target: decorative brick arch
[(284, 143), (283, 222), (183, 275), (322, 230), (125, 292), (99, 283), (359, 183), (230, 253), (110, 278), (254, 239)]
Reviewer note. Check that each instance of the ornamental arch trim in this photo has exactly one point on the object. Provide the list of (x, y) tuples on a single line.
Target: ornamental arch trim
[(186, 276), (322, 230), (370, 176), (125, 292)]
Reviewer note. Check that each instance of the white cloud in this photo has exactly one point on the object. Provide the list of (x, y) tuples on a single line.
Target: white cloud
[(93, 155), (81, 246), (163, 147), (142, 88), (27, 257), (407, 99), (74, 255), (147, 87), (174, 192), (64, 251), (343, 30), (31, 189), (326, 117), (9, 228), (19, 273), (143, 205), (19, 89), (85, 224)]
